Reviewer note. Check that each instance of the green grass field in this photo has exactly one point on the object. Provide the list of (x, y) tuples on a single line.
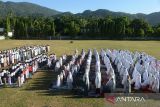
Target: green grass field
[(35, 92)]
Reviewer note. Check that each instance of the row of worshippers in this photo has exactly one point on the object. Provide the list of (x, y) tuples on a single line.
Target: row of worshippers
[(95, 83), (98, 79), (109, 78), (69, 70), (86, 78), (59, 63), (15, 55), (52, 58), (68, 73), (139, 69), (20, 72)]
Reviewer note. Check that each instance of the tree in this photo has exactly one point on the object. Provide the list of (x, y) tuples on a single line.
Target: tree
[(140, 33), (140, 26), (53, 29), (8, 26)]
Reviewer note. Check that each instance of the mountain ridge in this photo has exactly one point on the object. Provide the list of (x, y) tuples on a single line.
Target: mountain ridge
[(27, 9)]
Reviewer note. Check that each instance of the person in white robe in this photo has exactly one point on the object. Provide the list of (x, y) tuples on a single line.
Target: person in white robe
[(127, 84), (98, 82), (19, 81), (61, 77), (111, 84), (22, 79), (64, 74), (76, 53), (61, 61), (27, 71), (119, 65), (86, 80), (125, 76), (97, 67), (49, 63), (57, 66), (122, 70), (2, 61), (137, 81), (110, 70), (9, 79), (68, 67), (134, 72), (155, 86), (145, 75), (58, 84), (1, 74)]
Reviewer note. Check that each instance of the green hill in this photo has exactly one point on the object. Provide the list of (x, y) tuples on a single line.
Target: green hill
[(25, 9)]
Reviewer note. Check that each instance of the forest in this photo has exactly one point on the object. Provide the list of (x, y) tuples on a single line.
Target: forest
[(30, 27)]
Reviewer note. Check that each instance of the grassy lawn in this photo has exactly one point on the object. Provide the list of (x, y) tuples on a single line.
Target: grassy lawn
[(35, 92)]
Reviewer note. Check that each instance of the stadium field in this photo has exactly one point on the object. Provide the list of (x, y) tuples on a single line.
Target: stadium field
[(35, 92)]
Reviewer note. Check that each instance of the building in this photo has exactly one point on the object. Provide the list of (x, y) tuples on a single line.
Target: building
[(2, 37)]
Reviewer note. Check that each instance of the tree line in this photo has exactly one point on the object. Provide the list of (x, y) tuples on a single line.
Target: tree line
[(72, 26)]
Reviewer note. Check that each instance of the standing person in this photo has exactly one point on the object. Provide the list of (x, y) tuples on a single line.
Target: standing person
[(19, 72), (12, 58), (1, 83), (19, 80), (2, 61), (5, 77), (30, 70), (9, 79), (5, 61), (27, 71), (48, 48), (49, 63)]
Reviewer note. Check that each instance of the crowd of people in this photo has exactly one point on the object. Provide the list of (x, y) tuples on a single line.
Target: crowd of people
[(67, 70), (19, 64), (138, 69), (104, 71)]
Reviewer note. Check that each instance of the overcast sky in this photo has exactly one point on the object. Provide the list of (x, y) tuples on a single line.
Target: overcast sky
[(76, 6)]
